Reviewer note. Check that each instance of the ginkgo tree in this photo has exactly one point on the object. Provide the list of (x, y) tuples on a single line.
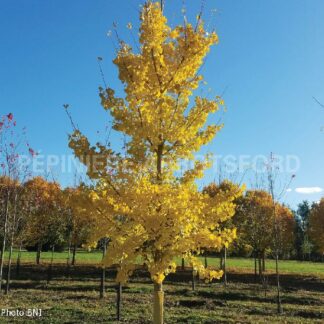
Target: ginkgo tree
[(148, 211), (78, 222), (216, 192), (286, 227)]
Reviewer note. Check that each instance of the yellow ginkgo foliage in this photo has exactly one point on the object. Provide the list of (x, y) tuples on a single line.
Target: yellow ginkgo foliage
[(80, 221), (148, 211)]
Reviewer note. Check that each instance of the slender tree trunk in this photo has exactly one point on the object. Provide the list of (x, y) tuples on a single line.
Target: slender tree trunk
[(119, 298), (11, 245), (263, 275), (158, 301), (279, 306), (224, 268), (277, 243), (68, 261), (3, 249), (221, 261), (9, 269), (18, 260), (38, 254), (12, 236), (183, 264), (162, 5), (206, 261), (193, 282), (1, 266), (74, 254), (158, 294), (263, 261), (260, 266), (159, 163), (50, 267), (255, 267), (103, 273), (102, 282)]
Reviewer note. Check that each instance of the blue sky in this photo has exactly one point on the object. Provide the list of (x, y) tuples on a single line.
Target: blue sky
[(269, 61)]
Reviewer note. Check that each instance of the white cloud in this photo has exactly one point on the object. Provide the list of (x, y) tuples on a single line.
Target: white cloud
[(289, 190), (309, 190)]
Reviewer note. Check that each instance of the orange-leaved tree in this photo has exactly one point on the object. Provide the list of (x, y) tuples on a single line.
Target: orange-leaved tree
[(254, 221), (316, 226), (44, 221)]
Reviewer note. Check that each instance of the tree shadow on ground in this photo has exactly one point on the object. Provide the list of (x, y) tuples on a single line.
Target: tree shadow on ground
[(289, 282), (38, 273)]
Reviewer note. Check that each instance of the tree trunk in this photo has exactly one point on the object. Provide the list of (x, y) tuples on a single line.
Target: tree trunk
[(263, 261), (103, 272), (102, 282), (9, 262), (255, 267), (159, 163), (12, 236), (74, 255), (158, 301), (50, 267), (193, 283), (224, 267), (158, 294), (9, 269), (3, 249), (279, 306), (260, 266), (182, 264), (18, 260), (68, 261), (38, 254), (119, 295), (162, 5), (206, 261)]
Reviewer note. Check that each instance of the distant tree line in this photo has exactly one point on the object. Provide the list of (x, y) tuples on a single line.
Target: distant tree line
[(39, 215)]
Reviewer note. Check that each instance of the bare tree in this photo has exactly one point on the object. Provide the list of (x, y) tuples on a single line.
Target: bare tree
[(272, 171), (12, 143)]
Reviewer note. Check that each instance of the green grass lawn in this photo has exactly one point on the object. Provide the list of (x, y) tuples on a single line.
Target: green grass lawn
[(286, 266), (233, 264), (83, 257)]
